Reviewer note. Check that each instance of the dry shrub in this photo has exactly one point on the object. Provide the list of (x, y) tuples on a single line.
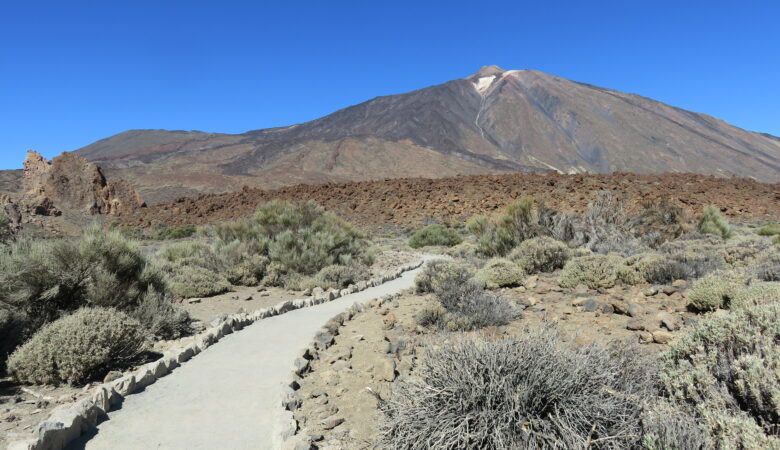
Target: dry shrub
[(79, 348), (755, 294), (727, 372), (161, 318), (642, 267), (715, 290), (439, 272), (532, 392), (501, 272), (467, 307), (541, 254), (766, 267), (594, 271)]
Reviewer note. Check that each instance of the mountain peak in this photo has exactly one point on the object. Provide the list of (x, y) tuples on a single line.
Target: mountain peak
[(487, 71)]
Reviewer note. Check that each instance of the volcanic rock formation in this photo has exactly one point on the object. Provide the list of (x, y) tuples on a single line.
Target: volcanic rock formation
[(71, 182)]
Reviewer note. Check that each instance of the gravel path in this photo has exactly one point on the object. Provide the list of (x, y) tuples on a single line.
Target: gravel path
[(229, 396)]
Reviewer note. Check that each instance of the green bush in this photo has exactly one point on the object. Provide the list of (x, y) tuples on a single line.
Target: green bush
[(755, 294), (641, 268), (190, 280), (541, 254), (518, 222), (439, 272), (500, 272), (715, 290), (713, 223), (727, 371), (533, 392), (79, 348), (464, 250), (772, 229), (435, 234), (180, 232), (594, 271), (43, 280)]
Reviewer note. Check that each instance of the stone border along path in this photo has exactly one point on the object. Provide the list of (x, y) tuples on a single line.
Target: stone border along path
[(291, 435), (224, 399)]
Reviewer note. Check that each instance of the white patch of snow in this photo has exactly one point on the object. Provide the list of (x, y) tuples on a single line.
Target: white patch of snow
[(484, 83)]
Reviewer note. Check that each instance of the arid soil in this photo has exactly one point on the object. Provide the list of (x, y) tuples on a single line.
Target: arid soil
[(383, 205), (382, 345)]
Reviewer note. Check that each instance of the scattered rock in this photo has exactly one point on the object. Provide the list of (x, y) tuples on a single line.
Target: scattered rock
[(635, 325), (651, 291), (332, 422), (662, 337), (384, 369), (634, 310), (111, 376), (589, 305), (670, 322), (680, 284), (669, 290), (645, 337)]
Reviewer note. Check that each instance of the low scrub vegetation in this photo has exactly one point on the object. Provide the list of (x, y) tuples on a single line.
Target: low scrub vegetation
[(439, 272), (529, 392), (42, 281), (713, 223), (771, 229), (500, 272), (283, 243), (435, 234), (715, 290), (727, 373), (79, 348), (594, 271), (541, 254)]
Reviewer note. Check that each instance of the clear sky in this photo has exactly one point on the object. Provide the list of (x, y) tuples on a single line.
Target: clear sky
[(77, 71)]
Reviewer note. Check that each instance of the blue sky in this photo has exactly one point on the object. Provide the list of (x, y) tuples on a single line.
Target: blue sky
[(75, 72)]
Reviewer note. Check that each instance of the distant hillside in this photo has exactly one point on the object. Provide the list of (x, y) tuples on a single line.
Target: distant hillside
[(492, 121)]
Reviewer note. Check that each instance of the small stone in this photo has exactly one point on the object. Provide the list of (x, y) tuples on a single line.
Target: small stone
[(645, 337), (635, 325), (662, 337), (111, 376), (651, 291), (581, 289), (670, 322), (620, 307), (680, 284), (331, 422), (669, 290), (634, 310), (589, 305), (607, 308), (265, 294), (384, 369), (528, 301), (248, 298)]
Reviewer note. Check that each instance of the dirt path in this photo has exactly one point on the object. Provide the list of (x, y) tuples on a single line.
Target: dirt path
[(229, 395)]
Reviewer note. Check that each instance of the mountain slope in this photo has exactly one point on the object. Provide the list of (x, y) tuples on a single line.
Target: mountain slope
[(492, 121)]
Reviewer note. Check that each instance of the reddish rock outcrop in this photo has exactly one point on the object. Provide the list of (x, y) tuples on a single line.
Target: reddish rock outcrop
[(71, 182)]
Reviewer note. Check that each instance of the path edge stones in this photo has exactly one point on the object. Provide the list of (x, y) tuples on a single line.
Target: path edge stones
[(287, 433), (68, 422)]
